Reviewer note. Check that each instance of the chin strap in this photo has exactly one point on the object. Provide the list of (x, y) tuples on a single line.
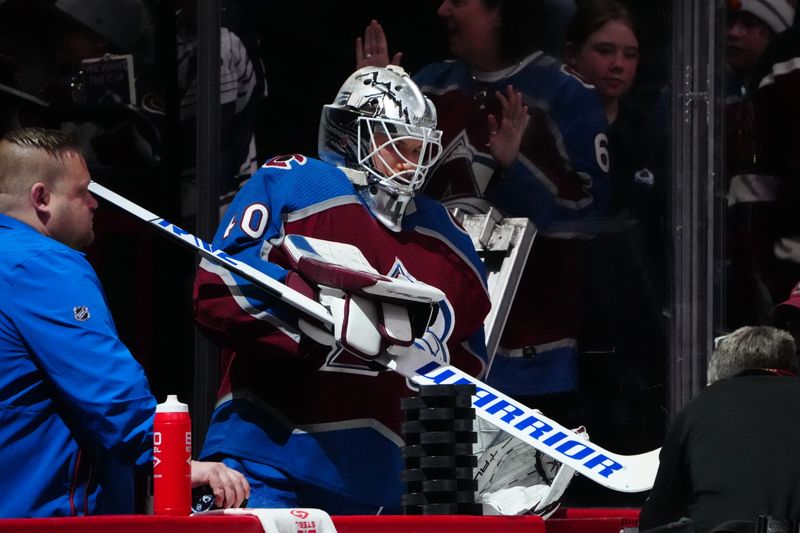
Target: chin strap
[(356, 177), (388, 207)]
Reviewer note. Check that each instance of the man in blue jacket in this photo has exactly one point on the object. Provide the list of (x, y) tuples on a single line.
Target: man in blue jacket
[(76, 411)]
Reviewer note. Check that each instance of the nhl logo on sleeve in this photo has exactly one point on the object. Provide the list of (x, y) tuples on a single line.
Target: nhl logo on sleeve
[(81, 313)]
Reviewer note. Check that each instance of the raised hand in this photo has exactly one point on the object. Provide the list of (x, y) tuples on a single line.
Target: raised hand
[(372, 50), (505, 134)]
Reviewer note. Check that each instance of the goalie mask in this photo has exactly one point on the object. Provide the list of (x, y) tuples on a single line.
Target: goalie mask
[(382, 126)]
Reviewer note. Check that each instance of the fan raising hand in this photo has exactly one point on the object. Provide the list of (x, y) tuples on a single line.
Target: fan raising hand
[(505, 135), (372, 50)]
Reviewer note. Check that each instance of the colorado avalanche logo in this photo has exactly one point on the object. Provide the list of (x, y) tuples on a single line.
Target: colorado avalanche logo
[(435, 339), (81, 313), (286, 162), (462, 170)]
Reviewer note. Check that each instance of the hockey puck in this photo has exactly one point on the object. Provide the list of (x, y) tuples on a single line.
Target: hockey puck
[(440, 508), (419, 498), (424, 474), (441, 413), (448, 485), (420, 450), (442, 461), (421, 426), (465, 389), (447, 437), (435, 401)]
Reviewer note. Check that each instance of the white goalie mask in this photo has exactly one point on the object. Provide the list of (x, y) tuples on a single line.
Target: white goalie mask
[(382, 125)]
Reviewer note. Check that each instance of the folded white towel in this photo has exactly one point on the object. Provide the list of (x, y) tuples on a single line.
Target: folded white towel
[(285, 520)]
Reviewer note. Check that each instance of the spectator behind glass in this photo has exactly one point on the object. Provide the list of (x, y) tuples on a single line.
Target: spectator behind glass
[(84, 30), (623, 281), (786, 315), (776, 110), (93, 28), (728, 454), (749, 244), (524, 135), (242, 86), (602, 46)]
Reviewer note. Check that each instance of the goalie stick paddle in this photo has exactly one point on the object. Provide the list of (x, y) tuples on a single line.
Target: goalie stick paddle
[(623, 473)]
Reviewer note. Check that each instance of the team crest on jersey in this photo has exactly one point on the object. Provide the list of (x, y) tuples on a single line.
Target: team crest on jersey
[(465, 169), (434, 341), (286, 162), (81, 313)]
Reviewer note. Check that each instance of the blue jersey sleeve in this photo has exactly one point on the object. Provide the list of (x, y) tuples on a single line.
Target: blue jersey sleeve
[(70, 332), (233, 311), (255, 220)]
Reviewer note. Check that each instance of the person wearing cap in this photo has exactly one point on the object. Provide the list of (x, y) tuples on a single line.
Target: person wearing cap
[(776, 106), (87, 36), (730, 453), (752, 25), (90, 29), (750, 30), (97, 27), (786, 315)]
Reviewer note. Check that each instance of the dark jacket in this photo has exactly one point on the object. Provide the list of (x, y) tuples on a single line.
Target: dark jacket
[(731, 454)]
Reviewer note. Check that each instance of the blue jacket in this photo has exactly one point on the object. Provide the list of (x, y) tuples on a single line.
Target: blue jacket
[(76, 412)]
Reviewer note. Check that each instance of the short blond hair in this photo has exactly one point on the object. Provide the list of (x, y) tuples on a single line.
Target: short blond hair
[(29, 155)]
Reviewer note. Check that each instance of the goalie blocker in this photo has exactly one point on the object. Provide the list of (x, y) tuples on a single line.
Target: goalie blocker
[(371, 311)]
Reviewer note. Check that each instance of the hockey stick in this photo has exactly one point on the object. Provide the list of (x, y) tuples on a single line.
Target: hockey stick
[(623, 473), (277, 289)]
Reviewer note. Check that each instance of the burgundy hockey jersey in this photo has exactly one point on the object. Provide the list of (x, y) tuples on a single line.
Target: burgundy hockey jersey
[(323, 416)]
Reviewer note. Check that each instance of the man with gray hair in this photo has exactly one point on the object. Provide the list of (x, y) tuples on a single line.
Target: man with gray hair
[(752, 348), (76, 411), (729, 453)]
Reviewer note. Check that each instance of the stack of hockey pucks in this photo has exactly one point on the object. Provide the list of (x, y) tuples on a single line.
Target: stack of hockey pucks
[(438, 459)]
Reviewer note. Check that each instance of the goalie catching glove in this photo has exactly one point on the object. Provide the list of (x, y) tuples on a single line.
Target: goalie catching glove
[(371, 312)]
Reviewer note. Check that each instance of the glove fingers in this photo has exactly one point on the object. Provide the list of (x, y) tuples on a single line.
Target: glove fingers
[(395, 324), (359, 331)]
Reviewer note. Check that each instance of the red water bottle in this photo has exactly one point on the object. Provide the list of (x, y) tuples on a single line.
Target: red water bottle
[(172, 455)]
